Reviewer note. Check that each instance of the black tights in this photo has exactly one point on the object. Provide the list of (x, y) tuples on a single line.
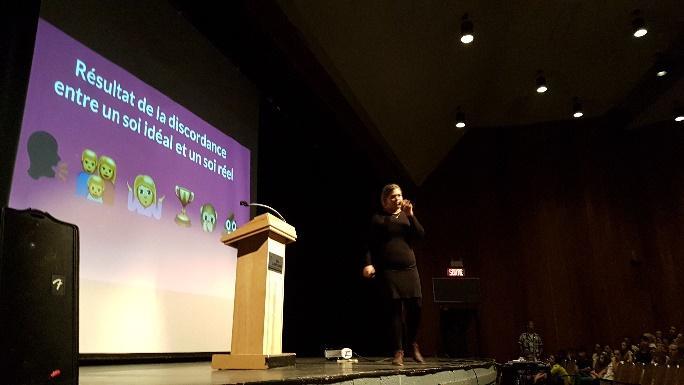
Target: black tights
[(405, 321)]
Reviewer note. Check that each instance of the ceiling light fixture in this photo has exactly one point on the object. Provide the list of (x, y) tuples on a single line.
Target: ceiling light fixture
[(661, 66), (541, 82), (638, 24), (460, 119), (466, 30), (679, 114), (576, 108)]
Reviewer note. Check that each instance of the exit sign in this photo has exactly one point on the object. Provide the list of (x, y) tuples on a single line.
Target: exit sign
[(451, 272)]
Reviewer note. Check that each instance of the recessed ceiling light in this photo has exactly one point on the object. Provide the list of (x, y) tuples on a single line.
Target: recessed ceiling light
[(577, 108), (662, 64), (467, 36), (541, 82), (640, 32), (460, 119), (638, 24)]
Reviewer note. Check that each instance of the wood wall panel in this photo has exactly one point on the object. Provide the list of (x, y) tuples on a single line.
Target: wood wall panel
[(577, 227)]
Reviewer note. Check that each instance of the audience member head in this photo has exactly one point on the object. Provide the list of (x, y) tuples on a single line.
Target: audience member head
[(673, 348), (659, 355), (617, 355), (648, 337), (672, 332), (603, 361), (571, 355), (583, 360)]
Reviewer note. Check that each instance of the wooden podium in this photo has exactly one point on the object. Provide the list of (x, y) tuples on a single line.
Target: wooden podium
[(259, 289)]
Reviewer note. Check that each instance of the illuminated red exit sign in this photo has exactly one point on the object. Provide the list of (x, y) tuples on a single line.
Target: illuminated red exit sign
[(451, 272)]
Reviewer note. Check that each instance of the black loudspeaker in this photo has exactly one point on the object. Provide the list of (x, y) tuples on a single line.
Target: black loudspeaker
[(456, 290), (459, 331), (38, 299), (459, 326)]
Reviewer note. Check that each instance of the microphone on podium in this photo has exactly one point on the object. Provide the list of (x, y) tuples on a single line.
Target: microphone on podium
[(247, 204)]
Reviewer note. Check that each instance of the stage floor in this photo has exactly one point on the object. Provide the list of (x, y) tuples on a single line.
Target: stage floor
[(306, 371)]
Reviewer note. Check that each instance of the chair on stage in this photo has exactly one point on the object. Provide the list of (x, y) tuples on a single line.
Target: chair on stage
[(619, 370), (647, 378), (670, 375), (629, 373), (637, 374), (659, 374), (624, 371)]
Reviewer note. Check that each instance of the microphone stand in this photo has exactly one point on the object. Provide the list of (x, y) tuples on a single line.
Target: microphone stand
[(246, 204)]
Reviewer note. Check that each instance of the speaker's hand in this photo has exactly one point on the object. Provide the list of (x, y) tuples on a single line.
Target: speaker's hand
[(407, 207), (369, 271)]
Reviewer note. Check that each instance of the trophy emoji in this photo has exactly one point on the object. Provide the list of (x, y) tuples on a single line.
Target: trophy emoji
[(185, 196)]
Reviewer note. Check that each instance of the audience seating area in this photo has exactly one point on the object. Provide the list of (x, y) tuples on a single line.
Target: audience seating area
[(651, 374)]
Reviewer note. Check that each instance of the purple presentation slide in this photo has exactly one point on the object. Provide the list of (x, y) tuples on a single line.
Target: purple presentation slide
[(151, 186)]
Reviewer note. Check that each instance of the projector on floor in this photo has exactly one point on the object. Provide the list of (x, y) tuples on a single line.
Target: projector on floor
[(344, 353)]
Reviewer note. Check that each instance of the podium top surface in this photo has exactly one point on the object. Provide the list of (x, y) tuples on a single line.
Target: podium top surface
[(260, 224)]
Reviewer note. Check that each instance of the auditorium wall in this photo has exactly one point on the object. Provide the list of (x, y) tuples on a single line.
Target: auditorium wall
[(575, 226)]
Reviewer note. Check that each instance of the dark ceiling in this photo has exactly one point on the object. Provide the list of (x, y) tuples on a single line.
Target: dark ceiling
[(399, 68)]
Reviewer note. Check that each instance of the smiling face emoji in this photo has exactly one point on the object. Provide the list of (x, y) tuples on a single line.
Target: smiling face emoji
[(145, 190), (106, 172), (107, 169), (95, 186), (89, 161), (145, 195)]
